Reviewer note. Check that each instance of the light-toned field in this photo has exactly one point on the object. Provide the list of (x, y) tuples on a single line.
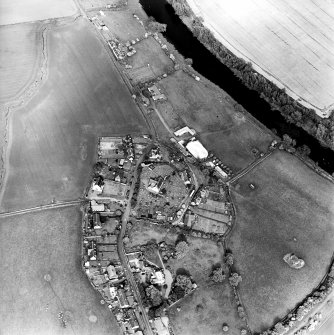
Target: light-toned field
[(18, 69), (230, 135), (290, 202), (290, 42), (14, 11), (52, 139), (91, 4), (32, 246)]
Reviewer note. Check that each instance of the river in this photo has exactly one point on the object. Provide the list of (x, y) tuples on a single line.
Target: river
[(210, 67)]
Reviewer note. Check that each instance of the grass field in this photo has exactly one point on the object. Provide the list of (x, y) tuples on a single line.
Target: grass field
[(216, 299), (151, 58), (290, 210), (14, 11), (290, 42), (53, 137), (39, 244), (227, 133), (122, 23), (18, 69)]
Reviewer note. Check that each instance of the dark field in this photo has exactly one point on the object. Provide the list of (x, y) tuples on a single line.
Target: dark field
[(229, 134), (32, 246), (52, 139), (290, 202)]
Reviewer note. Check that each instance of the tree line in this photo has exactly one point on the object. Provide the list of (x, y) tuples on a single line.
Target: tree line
[(292, 111)]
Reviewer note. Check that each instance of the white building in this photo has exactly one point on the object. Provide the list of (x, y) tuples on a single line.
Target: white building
[(158, 278), (96, 207), (197, 150), (184, 130), (111, 272)]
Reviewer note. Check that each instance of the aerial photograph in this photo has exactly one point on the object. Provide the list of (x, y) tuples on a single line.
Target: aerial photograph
[(167, 167)]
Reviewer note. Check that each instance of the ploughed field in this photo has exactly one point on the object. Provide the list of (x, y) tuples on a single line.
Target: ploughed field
[(41, 276), (291, 210), (52, 140), (16, 11), (289, 42)]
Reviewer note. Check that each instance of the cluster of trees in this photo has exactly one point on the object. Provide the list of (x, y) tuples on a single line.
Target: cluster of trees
[(181, 7), (235, 279), (181, 249), (305, 307), (322, 129), (154, 26), (182, 286), (218, 275), (153, 295)]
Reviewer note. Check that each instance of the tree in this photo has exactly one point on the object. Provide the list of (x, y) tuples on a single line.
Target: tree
[(181, 249), (304, 150), (154, 295), (235, 279), (184, 283), (155, 26), (229, 259), (218, 275), (188, 61)]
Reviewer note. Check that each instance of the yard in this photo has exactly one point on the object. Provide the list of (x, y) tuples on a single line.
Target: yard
[(223, 130), (290, 211), (15, 11), (41, 276), (287, 41), (52, 140)]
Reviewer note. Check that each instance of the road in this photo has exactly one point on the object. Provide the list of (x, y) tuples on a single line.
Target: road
[(249, 168), (42, 208), (121, 252)]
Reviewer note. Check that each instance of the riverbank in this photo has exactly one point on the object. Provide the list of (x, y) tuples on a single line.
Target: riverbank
[(281, 105)]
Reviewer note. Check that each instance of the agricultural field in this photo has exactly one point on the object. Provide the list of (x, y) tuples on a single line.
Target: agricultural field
[(223, 130), (18, 69), (15, 11), (52, 140), (291, 210), (150, 61), (289, 42), (212, 304), (41, 276)]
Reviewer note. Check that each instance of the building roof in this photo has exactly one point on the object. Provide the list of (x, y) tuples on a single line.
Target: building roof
[(197, 149), (183, 131), (96, 207), (111, 272)]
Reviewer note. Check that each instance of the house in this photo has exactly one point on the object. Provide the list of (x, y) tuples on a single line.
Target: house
[(196, 148), (123, 301), (155, 93), (96, 220), (154, 186), (158, 278), (113, 292), (96, 207), (111, 272)]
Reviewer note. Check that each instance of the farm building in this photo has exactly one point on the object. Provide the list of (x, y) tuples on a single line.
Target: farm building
[(184, 130), (197, 149)]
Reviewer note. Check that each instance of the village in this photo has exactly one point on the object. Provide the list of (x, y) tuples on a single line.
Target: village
[(167, 193)]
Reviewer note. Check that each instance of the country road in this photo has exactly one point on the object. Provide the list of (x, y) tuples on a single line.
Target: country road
[(120, 248), (42, 208)]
